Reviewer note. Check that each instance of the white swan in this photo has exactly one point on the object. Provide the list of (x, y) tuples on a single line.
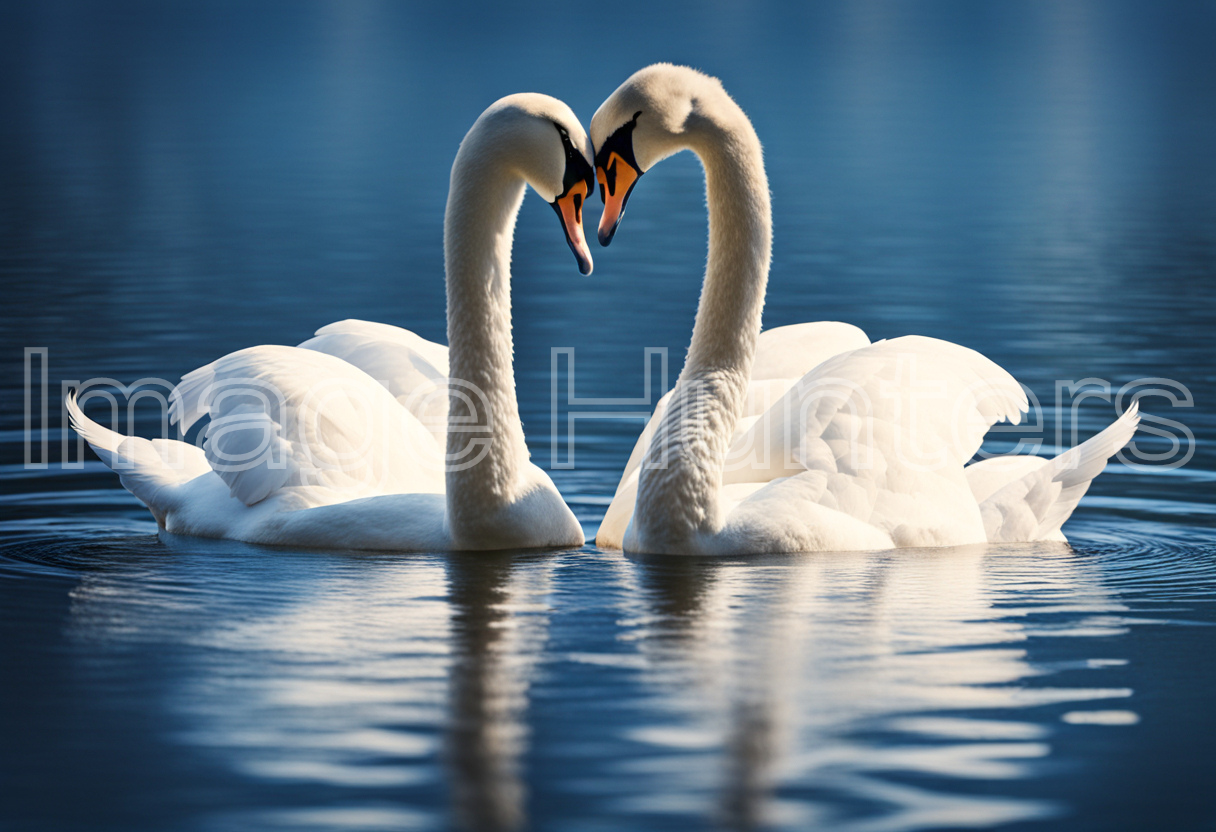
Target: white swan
[(806, 437), (327, 444)]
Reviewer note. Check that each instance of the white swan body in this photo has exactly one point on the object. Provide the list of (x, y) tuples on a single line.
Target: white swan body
[(808, 437), (341, 441)]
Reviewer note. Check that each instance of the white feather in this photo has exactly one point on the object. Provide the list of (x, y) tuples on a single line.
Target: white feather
[(1028, 498), (341, 442), (413, 370), (822, 441)]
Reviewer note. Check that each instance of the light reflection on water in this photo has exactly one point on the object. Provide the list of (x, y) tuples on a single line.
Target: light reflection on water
[(791, 691), (1032, 180)]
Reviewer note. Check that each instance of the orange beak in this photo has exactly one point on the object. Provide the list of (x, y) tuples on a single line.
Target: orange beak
[(569, 208), (617, 178)]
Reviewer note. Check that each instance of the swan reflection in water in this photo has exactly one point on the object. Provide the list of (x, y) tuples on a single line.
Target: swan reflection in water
[(825, 674), (499, 626), (365, 677), (870, 691)]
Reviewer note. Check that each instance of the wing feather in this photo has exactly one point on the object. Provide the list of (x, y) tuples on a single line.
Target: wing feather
[(1025, 498), (283, 417), (879, 435), (414, 371)]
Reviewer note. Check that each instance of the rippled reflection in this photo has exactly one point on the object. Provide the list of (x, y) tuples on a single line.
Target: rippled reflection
[(357, 680), (499, 623), (886, 691), (839, 671)]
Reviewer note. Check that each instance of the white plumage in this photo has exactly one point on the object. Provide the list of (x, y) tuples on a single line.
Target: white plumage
[(412, 369), (809, 437), (344, 440), (308, 419)]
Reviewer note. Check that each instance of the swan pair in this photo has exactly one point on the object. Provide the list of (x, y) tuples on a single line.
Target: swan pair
[(801, 438)]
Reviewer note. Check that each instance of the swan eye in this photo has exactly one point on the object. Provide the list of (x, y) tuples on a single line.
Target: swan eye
[(577, 169), (617, 171), (578, 181), (619, 145)]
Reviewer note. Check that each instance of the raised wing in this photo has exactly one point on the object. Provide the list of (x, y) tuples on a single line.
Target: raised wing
[(284, 417), (790, 352), (925, 402), (875, 438), (412, 369), (435, 354)]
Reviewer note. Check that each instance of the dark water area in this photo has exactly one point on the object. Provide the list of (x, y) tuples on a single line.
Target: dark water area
[(1033, 180)]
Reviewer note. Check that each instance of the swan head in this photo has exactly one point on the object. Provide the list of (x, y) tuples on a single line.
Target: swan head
[(540, 139), (651, 116)]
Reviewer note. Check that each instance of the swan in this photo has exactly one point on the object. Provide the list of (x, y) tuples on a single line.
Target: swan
[(339, 442), (806, 437)]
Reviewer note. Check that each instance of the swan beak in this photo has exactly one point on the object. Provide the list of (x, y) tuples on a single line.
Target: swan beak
[(569, 208), (617, 178)]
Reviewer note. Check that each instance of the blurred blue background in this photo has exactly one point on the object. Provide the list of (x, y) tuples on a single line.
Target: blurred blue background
[(1035, 180)]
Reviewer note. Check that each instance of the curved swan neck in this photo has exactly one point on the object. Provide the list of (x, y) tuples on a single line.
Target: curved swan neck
[(680, 484), (740, 243), (485, 441)]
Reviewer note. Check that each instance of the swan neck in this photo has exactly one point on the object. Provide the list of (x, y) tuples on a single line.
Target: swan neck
[(485, 440), (740, 241), (684, 487)]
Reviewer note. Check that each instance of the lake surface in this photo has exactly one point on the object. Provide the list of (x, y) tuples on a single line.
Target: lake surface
[(1035, 181)]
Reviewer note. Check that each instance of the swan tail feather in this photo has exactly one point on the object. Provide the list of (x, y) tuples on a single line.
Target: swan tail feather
[(1035, 504), (149, 468)]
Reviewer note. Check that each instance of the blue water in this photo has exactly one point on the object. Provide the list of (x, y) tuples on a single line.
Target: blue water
[(1032, 180)]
